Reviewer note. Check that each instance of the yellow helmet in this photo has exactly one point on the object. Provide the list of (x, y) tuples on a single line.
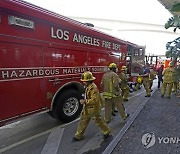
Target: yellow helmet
[(139, 79), (87, 76), (112, 65), (124, 68)]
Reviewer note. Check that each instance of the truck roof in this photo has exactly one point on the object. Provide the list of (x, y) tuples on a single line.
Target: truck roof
[(31, 10)]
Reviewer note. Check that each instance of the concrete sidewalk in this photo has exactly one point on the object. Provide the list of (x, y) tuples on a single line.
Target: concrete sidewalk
[(156, 129)]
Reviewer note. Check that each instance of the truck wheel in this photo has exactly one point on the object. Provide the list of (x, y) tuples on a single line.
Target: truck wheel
[(68, 107)]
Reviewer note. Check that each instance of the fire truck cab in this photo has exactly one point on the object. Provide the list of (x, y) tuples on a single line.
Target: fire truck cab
[(135, 61)]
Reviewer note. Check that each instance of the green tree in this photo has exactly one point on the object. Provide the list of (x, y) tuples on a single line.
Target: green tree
[(173, 22), (173, 49)]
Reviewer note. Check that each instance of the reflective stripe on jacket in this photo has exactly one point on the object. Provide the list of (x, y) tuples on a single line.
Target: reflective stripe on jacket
[(168, 75), (93, 101), (110, 85), (152, 74), (176, 75), (124, 78)]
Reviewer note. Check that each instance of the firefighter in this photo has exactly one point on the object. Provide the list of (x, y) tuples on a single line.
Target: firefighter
[(139, 81), (124, 83), (112, 93), (152, 76), (175, 80), (92, 105), (146, 82), (113, 110), (178, 83), (168, 80), (160, 76)]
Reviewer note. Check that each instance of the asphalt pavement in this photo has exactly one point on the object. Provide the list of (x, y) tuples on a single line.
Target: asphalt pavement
[(153, 128)]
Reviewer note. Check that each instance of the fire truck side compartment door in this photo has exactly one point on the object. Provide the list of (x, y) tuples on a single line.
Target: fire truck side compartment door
[(21, 79)]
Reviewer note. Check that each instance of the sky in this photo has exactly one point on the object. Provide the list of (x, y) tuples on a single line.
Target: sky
[(150, 11), (144, 11)]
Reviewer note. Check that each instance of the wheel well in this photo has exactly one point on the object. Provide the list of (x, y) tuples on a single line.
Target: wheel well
[(72, 85)]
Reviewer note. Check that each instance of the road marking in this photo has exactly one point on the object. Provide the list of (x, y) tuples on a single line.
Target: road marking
[(28, 139), (53, 142), (35, 136)]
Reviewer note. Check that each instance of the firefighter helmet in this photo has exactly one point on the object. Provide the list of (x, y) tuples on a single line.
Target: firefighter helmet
[(124, 68), (112, 65), (139, 79), (87, 76)]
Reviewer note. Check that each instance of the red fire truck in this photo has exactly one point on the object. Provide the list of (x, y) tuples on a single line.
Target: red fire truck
[(42, 57)]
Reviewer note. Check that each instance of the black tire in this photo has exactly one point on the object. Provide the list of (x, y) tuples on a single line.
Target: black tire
[(67, 106)]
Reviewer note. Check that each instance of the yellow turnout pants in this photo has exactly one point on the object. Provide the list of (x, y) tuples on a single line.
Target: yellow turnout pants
[(108, 108), (167, 86), (84, 121)]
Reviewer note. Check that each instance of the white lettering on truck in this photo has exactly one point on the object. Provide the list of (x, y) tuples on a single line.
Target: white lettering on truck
[(82, 39), (10, 74), (85, 40), (59, 34)]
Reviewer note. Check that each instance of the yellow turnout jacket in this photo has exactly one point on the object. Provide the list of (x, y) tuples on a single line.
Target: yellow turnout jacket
[(110, 85)]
